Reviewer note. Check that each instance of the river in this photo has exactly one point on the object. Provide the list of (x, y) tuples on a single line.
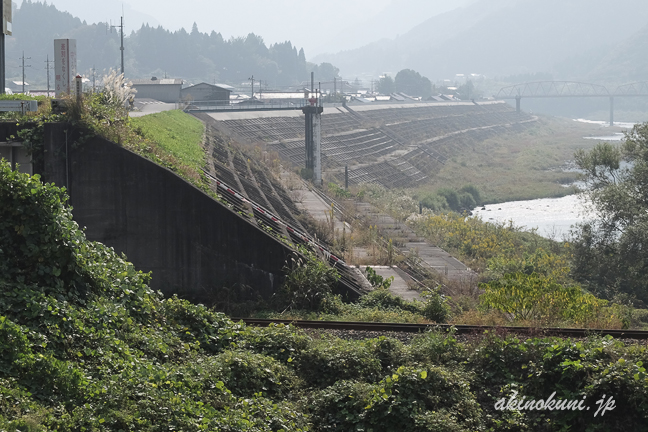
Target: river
[(552, 217)]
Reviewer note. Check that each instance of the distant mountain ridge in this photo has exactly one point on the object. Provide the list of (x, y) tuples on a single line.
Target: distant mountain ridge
[(399, 17), (505, 37)]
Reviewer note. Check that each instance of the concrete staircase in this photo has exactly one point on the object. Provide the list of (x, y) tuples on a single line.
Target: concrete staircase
[(423, 257)]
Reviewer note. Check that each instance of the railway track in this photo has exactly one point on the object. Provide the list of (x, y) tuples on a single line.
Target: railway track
[(459, 329)]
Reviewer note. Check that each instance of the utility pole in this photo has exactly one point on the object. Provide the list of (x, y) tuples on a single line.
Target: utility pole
[(5, 29), (121, 30), (94, 76), (48, 61), (23, 70), (252, 79), (2, 49)]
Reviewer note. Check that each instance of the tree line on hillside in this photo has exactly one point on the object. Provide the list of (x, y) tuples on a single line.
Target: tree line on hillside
[(152, 51)]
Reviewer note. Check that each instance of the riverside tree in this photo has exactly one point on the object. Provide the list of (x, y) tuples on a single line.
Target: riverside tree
[(610, 252), (411, 82)]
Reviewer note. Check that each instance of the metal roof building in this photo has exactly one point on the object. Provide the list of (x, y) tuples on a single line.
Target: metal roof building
[(206, 92), (164, 90)]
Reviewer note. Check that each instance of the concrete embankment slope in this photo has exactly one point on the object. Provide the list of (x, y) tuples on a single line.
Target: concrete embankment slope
[(194, 245), (395, 145)]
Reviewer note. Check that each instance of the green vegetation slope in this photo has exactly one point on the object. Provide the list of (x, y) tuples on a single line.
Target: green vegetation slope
[(85, 344)]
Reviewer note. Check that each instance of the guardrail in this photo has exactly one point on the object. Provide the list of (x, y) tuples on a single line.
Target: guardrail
[(18, 105), (244, 106)]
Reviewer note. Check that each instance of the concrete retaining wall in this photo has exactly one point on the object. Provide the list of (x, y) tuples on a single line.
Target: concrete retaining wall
[(193, 244)]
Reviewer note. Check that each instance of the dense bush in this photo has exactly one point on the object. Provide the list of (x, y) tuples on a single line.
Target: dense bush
[(308, 282), (537, 367), (434, 202), (540, 262), (412, 399), (277, 341), (473, 192), (382, 299), (247, 373), (329, 360), (466, 199), (540, 300), (379, 305), (85, 343), (376, 280), (451, 197), (436, 348), (435, 305)]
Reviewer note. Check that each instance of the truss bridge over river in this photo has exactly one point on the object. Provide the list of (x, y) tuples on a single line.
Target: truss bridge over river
[(571, 89)]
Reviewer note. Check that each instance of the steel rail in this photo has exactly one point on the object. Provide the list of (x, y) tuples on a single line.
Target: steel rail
[(458, 329)]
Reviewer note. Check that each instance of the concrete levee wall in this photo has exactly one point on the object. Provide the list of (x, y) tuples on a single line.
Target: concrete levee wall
[(194, 245)]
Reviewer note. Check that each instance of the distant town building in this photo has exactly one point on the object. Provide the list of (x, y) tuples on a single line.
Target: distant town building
[(206, 92), (164, 90)]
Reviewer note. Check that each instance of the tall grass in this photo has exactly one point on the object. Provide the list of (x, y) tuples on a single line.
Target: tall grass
[(516, 165), (176, 132)]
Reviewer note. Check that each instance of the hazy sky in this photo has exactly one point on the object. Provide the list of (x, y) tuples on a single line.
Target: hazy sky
[(316, 26)]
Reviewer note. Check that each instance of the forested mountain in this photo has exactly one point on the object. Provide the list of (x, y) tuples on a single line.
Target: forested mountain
[(568, 38), (209, 57), (149, 51)]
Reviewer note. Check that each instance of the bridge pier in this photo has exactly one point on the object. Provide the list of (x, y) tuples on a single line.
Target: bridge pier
[(611, 110), (518, 98)]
